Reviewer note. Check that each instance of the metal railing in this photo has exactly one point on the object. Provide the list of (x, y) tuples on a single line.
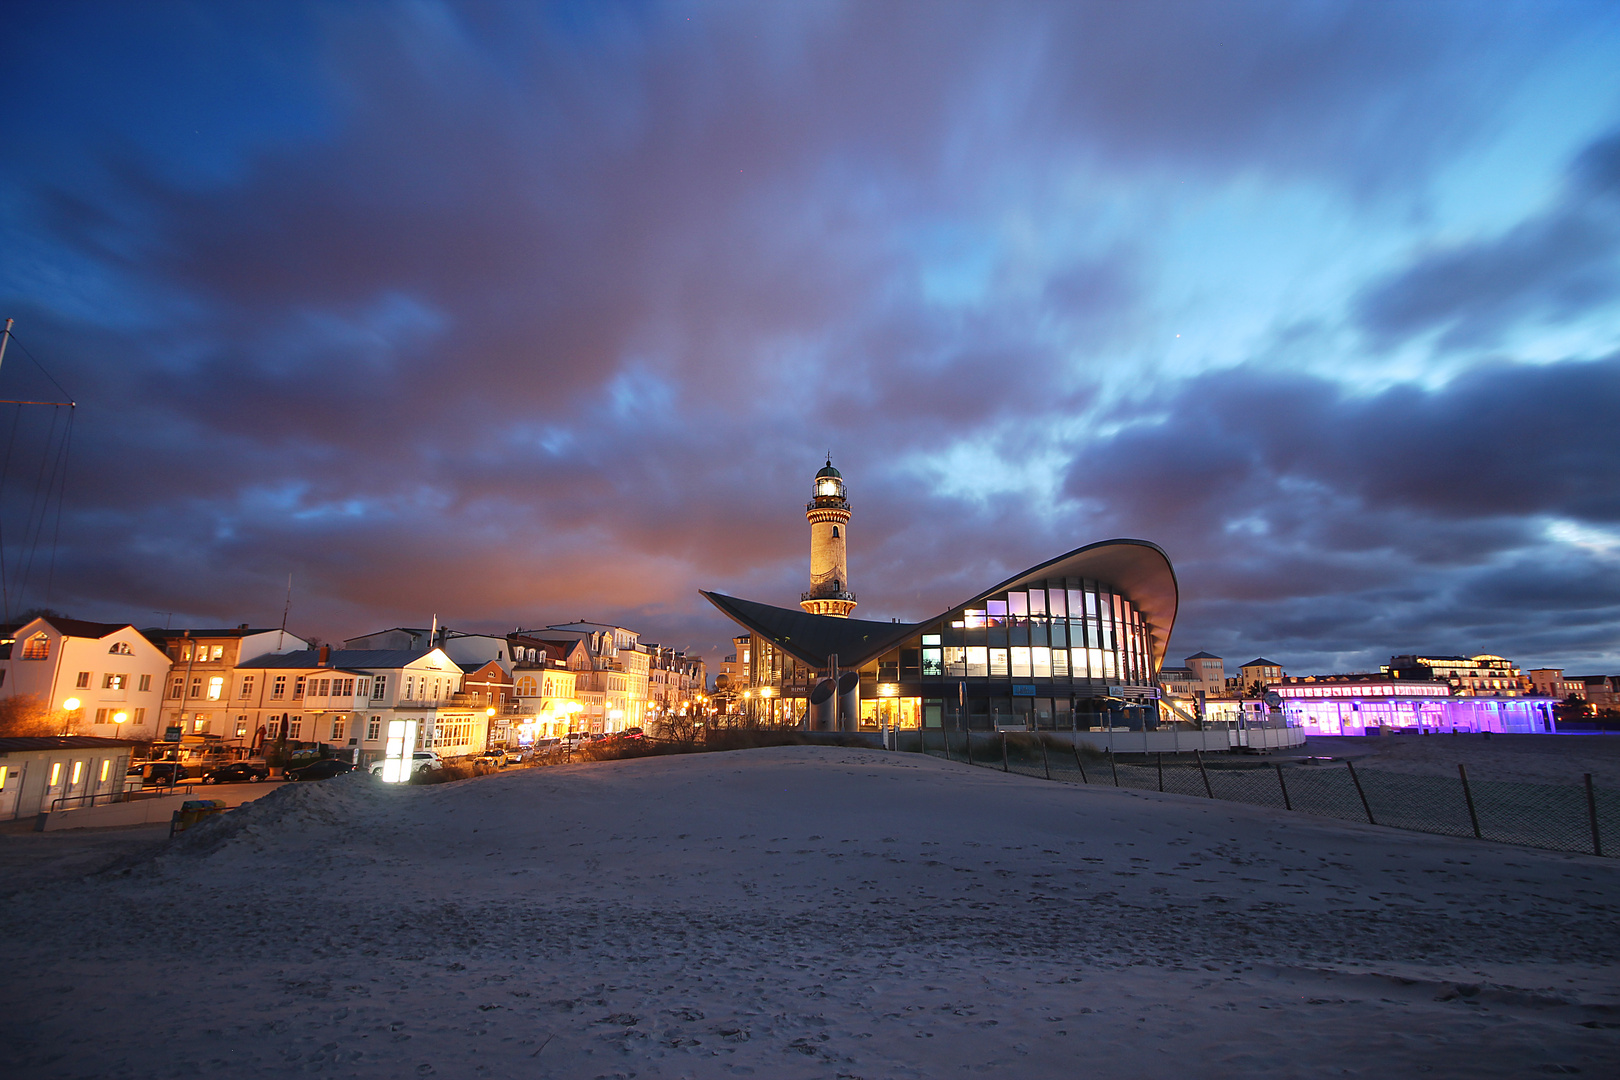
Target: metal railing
[(1559, 817)]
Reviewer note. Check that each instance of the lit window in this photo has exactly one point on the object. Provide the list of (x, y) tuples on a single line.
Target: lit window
[(219, 651), (216, 687), (114, 682), (241, 726), (38, 647), (120, 648)]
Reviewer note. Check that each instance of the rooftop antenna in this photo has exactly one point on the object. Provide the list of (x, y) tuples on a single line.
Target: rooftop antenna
[(282, 637), (168, 621), (434, 633)]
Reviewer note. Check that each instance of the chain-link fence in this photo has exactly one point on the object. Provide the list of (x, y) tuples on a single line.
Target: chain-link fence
[(1575, 817)]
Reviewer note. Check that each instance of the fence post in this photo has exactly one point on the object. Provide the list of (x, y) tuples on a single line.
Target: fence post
[(1591, 816), (1282, 784), (1077, 764), (1468, 797), (1114, 765), (1209, 791), (1046, 762), (1365, 805), (1161, 771), (1004, 752)]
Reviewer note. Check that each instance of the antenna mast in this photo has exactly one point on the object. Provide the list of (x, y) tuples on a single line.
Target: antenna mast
[(282, 637)]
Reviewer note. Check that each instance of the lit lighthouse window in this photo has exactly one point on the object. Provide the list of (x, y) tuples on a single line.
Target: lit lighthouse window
[(827, 486)]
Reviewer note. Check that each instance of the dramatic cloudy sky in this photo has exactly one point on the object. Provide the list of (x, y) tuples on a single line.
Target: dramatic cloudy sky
[(521, 313)]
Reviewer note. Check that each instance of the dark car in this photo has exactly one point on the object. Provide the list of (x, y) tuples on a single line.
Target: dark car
[(159, 773), (236, 772), (324, 769)]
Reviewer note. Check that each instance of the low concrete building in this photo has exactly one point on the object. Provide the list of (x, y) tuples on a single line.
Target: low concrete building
[(39, 774)]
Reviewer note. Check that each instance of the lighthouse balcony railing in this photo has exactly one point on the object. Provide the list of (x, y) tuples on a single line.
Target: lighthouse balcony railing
[(827, 594)]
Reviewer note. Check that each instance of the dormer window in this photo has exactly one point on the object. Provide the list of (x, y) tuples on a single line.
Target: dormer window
[(120, 648), (37, 647)]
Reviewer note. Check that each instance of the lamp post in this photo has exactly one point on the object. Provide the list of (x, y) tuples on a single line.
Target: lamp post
[(70, 707)]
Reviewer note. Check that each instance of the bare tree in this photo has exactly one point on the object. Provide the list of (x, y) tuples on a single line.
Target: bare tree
[(25, 715)]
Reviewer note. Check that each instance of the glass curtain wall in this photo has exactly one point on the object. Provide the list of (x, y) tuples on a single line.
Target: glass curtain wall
[(1059, 643)]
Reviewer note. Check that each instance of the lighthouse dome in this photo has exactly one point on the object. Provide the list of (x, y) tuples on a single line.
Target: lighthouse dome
[(830, 471)]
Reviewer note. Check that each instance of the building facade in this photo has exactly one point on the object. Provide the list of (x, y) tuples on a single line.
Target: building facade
[(1485, 675), (198, 700), (1075, 643), (104, 679)]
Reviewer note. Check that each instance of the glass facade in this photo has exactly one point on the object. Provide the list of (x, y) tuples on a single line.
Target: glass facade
[(1061, 654)]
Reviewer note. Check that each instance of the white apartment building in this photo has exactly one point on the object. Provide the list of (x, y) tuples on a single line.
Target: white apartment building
[(197, 692), (612, 673), (105, 678), (346, 697)]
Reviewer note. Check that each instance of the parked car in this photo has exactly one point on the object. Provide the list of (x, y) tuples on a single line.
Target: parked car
[(156, 774), (574, 738), (236, 772), (324, 769), (631, 734), (421, 761), (514, 755)]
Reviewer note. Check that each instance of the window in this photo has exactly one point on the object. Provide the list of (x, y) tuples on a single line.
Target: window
[(185, 651), (176, 686), (219, 652), (114, 682), (241, 726), (278, 689), (56, 774), (295, 727), (373, 728), (364, 689), (247, 686), (835, 532), (146, 683), (78, 772), (106, 767), (216, 687), (101, 716), (378, 686), (298, 686), (410, 686), (196, 686), (140, 717), (337, 729), (84, 681), (38, 647), (120, 648), (198, 726)]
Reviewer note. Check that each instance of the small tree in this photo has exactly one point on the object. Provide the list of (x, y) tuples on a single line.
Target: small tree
[(26, 715)]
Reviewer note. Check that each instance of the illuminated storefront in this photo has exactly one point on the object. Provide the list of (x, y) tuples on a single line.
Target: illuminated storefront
[(1072, 644)]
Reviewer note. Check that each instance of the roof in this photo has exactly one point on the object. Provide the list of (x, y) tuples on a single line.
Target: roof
[(59, 742), (1140, 568), (81, 628), (813, 638), (235, 631), (829, 471), (359, 659), (1203, 656), (1262, 662)]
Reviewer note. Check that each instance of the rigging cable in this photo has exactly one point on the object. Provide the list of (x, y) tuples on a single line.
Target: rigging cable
[(61, 500)]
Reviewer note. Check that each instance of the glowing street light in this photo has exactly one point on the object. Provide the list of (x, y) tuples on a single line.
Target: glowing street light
[(120, 716), (72, 704)]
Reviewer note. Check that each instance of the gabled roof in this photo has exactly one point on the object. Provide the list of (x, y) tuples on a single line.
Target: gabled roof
[(81, 628), (1203, 656), (360, 659), (813, 638), (1261, 662)]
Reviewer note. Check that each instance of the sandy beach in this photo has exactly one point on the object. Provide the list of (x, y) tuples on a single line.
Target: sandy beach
[(799, 912)]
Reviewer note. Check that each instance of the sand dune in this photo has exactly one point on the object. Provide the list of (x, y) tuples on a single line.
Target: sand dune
[(808, 912)]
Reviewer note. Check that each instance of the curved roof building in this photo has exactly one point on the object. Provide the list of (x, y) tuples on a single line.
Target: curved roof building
[(1071, 644)]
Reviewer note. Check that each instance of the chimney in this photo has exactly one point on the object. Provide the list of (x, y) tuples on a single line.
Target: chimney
[(326, 656)]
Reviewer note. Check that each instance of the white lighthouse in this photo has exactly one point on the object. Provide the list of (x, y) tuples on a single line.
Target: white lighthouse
[(828, 514)]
